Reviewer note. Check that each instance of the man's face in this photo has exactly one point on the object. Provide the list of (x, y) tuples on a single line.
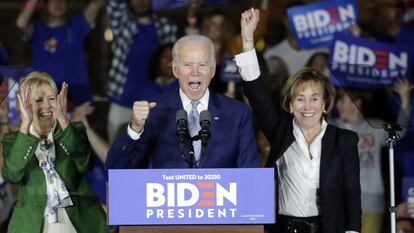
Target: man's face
[(194, 69), (140, 7)]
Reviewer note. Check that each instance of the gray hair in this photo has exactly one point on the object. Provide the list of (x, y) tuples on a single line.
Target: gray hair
[(194, 39)]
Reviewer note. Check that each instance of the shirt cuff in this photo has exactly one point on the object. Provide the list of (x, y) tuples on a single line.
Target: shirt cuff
[(132, 134), (351, 232), (248, 65)]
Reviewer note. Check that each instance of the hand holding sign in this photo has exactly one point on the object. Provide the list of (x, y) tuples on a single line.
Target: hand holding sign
[(140, 112)]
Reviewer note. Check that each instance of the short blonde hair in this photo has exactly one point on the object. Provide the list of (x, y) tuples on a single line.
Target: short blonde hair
[(36, 79), (306, 75)]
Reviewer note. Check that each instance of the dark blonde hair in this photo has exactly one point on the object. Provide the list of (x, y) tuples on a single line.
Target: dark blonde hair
[(36, 79), (306, 75)]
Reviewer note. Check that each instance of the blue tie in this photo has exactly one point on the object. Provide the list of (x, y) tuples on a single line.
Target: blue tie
[(194, 127)]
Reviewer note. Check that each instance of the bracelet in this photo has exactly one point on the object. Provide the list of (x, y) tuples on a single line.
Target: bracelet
[(31, 4)]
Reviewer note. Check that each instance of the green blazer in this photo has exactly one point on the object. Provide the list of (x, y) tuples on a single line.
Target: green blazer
[(73, 158)]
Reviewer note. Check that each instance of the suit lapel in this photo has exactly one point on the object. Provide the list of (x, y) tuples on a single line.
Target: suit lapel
[(174, 101), (327, 153), (215, 107)]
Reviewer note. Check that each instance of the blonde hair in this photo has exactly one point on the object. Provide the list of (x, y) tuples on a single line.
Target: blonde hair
[(301, 77), (36, 79)]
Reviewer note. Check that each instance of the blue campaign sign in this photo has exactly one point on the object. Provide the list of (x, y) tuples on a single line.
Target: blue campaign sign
[(408, 189), (173, 4), (363, 63), (229, 70), (10, 77), (313, 25), (191, 196)]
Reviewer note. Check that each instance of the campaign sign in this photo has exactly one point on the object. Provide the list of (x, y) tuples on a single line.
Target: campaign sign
[(173, 4), (10, 77), (313, 25), (191, 196), (363, 63), (229, 70), (408, 194)]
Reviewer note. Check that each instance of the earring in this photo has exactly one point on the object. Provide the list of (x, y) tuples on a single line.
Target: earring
[(324, 111)]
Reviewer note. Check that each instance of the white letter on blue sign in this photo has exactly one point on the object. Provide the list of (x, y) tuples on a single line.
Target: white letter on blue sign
[(230, 195), (181, 188), (347, 13), (155, 195), (400, 61)]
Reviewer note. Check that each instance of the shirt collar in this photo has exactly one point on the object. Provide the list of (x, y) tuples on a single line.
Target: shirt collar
[(187, 101), (34, 132)]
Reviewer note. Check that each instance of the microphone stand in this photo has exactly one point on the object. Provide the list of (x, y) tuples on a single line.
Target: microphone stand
[(392, 137), (191, 151)]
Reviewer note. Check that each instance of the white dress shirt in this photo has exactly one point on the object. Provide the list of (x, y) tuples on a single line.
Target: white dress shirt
[(298, 175)]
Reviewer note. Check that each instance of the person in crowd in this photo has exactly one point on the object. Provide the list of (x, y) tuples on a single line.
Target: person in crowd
[(317, 163), (4, 54), (372, 137), (7, 194), (278, 74), (288, 50), (159, 68), (96, 177), (320, 62), (137, 33), (404, 221), (47, 158), (150, 139), (58, 43)]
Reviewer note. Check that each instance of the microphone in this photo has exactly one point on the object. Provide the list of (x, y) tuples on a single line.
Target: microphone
[(181, 120), (204, 133)]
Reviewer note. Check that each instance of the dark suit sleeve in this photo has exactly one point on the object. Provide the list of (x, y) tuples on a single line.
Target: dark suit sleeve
[(263, 107), (248, 153), (125, 152), (18, 150), (75, 144), (352, 183)]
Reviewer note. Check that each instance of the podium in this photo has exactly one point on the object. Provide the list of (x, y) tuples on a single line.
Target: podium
[(193, 229), (191, 200)]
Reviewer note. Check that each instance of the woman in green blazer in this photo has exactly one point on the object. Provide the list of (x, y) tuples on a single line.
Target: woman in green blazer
[(48, 157)]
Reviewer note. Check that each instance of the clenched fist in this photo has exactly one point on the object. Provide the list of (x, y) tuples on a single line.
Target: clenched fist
[(140, 112)]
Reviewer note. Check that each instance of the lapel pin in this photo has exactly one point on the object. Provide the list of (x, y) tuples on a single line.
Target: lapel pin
[(216, 118)]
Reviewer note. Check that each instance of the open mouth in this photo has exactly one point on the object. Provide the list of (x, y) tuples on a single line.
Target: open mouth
[(307, 114), (195, 86), (46, 115)]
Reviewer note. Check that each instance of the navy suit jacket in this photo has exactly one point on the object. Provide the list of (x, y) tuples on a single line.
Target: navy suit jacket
[(232, 143)]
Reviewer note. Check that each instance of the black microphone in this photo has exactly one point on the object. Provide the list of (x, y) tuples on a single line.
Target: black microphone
[(182, 128), (204, 134)]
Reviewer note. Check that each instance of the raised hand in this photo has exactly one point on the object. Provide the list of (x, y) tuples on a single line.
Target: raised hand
[(83, 110), (248, 23), (61, 106), (26, 113), (403, 88), (140, 112)]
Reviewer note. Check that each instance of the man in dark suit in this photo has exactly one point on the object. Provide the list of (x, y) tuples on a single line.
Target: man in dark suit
[(150, 139)]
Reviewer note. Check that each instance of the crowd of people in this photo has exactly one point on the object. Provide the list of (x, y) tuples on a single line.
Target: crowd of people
[(284, 112)]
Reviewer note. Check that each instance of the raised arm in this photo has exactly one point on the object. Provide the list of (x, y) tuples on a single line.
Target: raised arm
[(262, 105), (92, 10), (23, 20)]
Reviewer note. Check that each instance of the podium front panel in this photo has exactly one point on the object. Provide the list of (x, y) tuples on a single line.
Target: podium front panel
[(191, 196)]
